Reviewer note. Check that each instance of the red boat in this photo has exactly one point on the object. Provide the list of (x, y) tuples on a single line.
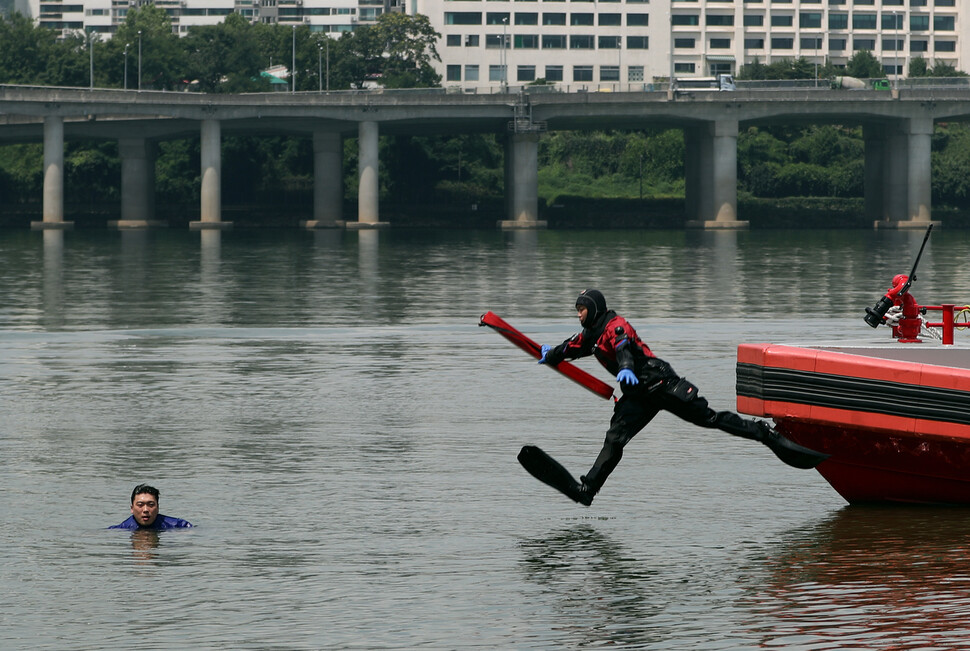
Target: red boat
[(894, 418)]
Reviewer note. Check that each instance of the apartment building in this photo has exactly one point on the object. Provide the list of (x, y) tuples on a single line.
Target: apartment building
[(602, 43)]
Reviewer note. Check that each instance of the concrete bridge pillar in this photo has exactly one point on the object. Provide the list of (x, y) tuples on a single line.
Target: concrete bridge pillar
[(717, 176), (919, 172), (368, 194), (137, 184), (53, 204), (211, 154), (904, 159), (327, 180), (522, 181), (875, 176)]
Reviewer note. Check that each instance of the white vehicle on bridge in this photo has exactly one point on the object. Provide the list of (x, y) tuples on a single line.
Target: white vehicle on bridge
[(720, 82)]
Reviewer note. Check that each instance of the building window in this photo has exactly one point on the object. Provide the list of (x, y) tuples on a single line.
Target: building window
[(943, 24), (637, 42), (781, 21), (454, 40), (471, 73), (943, 3), (496, 73), (609, 73), (720, 43), (717, 20), (810, 43), (609, 43), (836, 45), (553, 73), (553, 42), (471, 40), (526, 42), (754, 20), (684, 68), (553, 19), (919, 23), (684, 43), (581, 42), (530, 18), (611, 20), (838, 21), (463, 18), (810, 20), (686, 20), (634, 73), (754, 43), (525, 73), (864, 44), (945, 46), (863, 21), (893, 44), (453, 73), (782, 43), (581, 19), (496, 41), (637, 20), (497, 18), (582, 73), (892, 20)]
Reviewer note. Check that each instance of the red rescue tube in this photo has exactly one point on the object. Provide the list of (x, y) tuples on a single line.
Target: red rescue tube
[(574, 373)]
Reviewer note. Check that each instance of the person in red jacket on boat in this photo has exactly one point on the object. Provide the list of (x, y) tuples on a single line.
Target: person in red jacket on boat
[(648, 385)]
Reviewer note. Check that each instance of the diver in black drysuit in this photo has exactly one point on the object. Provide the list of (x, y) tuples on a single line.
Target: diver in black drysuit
[(648, 386)]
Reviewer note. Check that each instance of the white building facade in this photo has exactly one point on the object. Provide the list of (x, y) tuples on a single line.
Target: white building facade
[(616, 44)]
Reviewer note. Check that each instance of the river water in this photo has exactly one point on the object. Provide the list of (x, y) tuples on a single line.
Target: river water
[(325, 409)]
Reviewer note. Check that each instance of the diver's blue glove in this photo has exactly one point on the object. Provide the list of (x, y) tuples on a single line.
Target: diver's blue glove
[(626, 376), (545, 351)]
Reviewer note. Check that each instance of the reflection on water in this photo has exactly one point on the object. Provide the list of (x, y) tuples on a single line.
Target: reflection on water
[(603, 594), (144, 543), (871, 578)]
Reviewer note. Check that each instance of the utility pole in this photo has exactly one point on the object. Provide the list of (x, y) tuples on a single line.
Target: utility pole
[(293, 71)]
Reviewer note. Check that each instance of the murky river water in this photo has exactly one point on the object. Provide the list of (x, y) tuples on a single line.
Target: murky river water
[(326, 410)]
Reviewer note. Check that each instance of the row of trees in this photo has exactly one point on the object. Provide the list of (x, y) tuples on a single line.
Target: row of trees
[(225, 58), (775, 161)]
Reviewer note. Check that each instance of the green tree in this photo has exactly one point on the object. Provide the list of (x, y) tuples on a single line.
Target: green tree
[(918, 67), (162, 55), (224, 58), (863, 65), (398, 50)]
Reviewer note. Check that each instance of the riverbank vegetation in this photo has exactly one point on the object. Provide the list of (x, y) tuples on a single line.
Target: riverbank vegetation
[(823, 162)]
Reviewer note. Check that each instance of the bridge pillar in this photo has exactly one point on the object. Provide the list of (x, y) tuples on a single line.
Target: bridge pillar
[(137, 184), (919, 172), (522, 181), (716, 176), (906, 193), (327, 180), (53, 205), (368, 193), (211, 154), (875, 175)]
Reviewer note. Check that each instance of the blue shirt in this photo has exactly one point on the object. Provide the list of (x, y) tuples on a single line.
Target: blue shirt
[(161, 522)]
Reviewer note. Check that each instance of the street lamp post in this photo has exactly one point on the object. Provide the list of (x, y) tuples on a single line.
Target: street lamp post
[(895, 51), (139, 59), (293, 71), (91, 53), (127, 45), (319, 67), (505, 55), (328, 64)]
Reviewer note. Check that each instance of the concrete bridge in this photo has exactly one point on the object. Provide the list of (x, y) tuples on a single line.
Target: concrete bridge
[(897, 128)]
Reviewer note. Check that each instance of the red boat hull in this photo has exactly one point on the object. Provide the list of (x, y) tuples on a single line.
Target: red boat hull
[(897, 429)]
